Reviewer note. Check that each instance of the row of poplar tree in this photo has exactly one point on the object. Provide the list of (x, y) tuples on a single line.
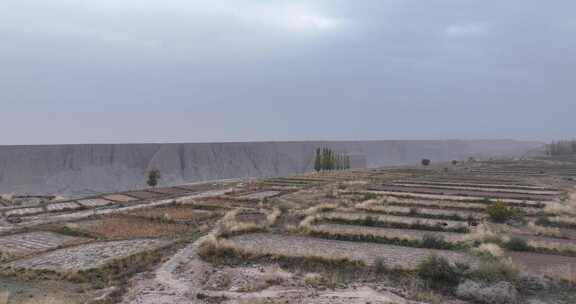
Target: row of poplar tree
[(562, 147), (328, 159)]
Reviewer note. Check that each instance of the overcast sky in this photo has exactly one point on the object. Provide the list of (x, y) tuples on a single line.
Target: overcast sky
[(94, 71)]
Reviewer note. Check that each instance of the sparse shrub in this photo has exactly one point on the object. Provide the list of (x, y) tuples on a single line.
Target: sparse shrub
[(425, 162), (434, 241), (380, 265), (413, 211), (517, 244), (438, 272), (369, 196), (500, 213), (493, 270), (488, 251)]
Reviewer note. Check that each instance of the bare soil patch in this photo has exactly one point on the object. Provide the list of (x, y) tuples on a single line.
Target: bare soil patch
[(120, 227)]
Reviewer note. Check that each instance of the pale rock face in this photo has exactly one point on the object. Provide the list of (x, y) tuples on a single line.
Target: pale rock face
[(81, 169)]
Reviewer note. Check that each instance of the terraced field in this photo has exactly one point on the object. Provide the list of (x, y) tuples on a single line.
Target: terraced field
[(297, 246), (387, 219), (85, 257), (475, 192), (390, 233), (419, 212), (23, 244)]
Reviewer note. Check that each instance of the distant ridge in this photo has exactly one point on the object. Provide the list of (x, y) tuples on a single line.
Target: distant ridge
[(89, 168)]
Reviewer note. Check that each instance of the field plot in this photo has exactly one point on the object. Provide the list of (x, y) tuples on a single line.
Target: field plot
[(295, 182), (144, 195), (481, 184), (466, 193), (454, 198), (94, 202), (119, 198), (259, 195), (64, 206), (84, 257), (388, 233), (370, 219), (169, 191), (298, 246), (24, 211), (431, 204), (23, 244), (486, 188), (119, 227), (176, 213), (419, 212)]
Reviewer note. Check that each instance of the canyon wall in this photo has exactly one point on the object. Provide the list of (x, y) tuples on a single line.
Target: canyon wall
[(84, 169)]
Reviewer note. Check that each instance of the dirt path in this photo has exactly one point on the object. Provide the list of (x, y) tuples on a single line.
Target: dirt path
[(174, 282)]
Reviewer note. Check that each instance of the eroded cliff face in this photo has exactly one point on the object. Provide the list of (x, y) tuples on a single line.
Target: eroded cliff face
[(76, 169)]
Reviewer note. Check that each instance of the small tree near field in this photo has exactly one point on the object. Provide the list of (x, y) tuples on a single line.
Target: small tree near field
[(153, 177), (426, 162)]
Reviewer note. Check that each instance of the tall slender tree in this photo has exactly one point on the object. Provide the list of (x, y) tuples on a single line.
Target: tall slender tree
[(318, 161)]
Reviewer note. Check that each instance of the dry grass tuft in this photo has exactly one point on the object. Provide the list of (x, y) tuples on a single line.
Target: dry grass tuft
[(484, 234), (229, 225), (215, 247), (489, 250)]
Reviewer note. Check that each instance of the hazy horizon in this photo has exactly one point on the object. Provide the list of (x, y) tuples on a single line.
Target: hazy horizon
[(103, 71)]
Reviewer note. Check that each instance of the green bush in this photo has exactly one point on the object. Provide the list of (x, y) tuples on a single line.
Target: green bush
[(500, 213), (438, 272), (517, 244)]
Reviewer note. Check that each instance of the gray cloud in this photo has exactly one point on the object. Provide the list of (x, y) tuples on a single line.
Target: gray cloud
[(200, 70)]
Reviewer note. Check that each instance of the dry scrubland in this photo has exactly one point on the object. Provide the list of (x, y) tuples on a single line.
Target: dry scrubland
[(471, 232)]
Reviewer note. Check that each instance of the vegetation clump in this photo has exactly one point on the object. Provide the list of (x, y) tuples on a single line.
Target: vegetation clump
[(437, 272), (500, 213), (153, 177), (517, 244), (327, 159)]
